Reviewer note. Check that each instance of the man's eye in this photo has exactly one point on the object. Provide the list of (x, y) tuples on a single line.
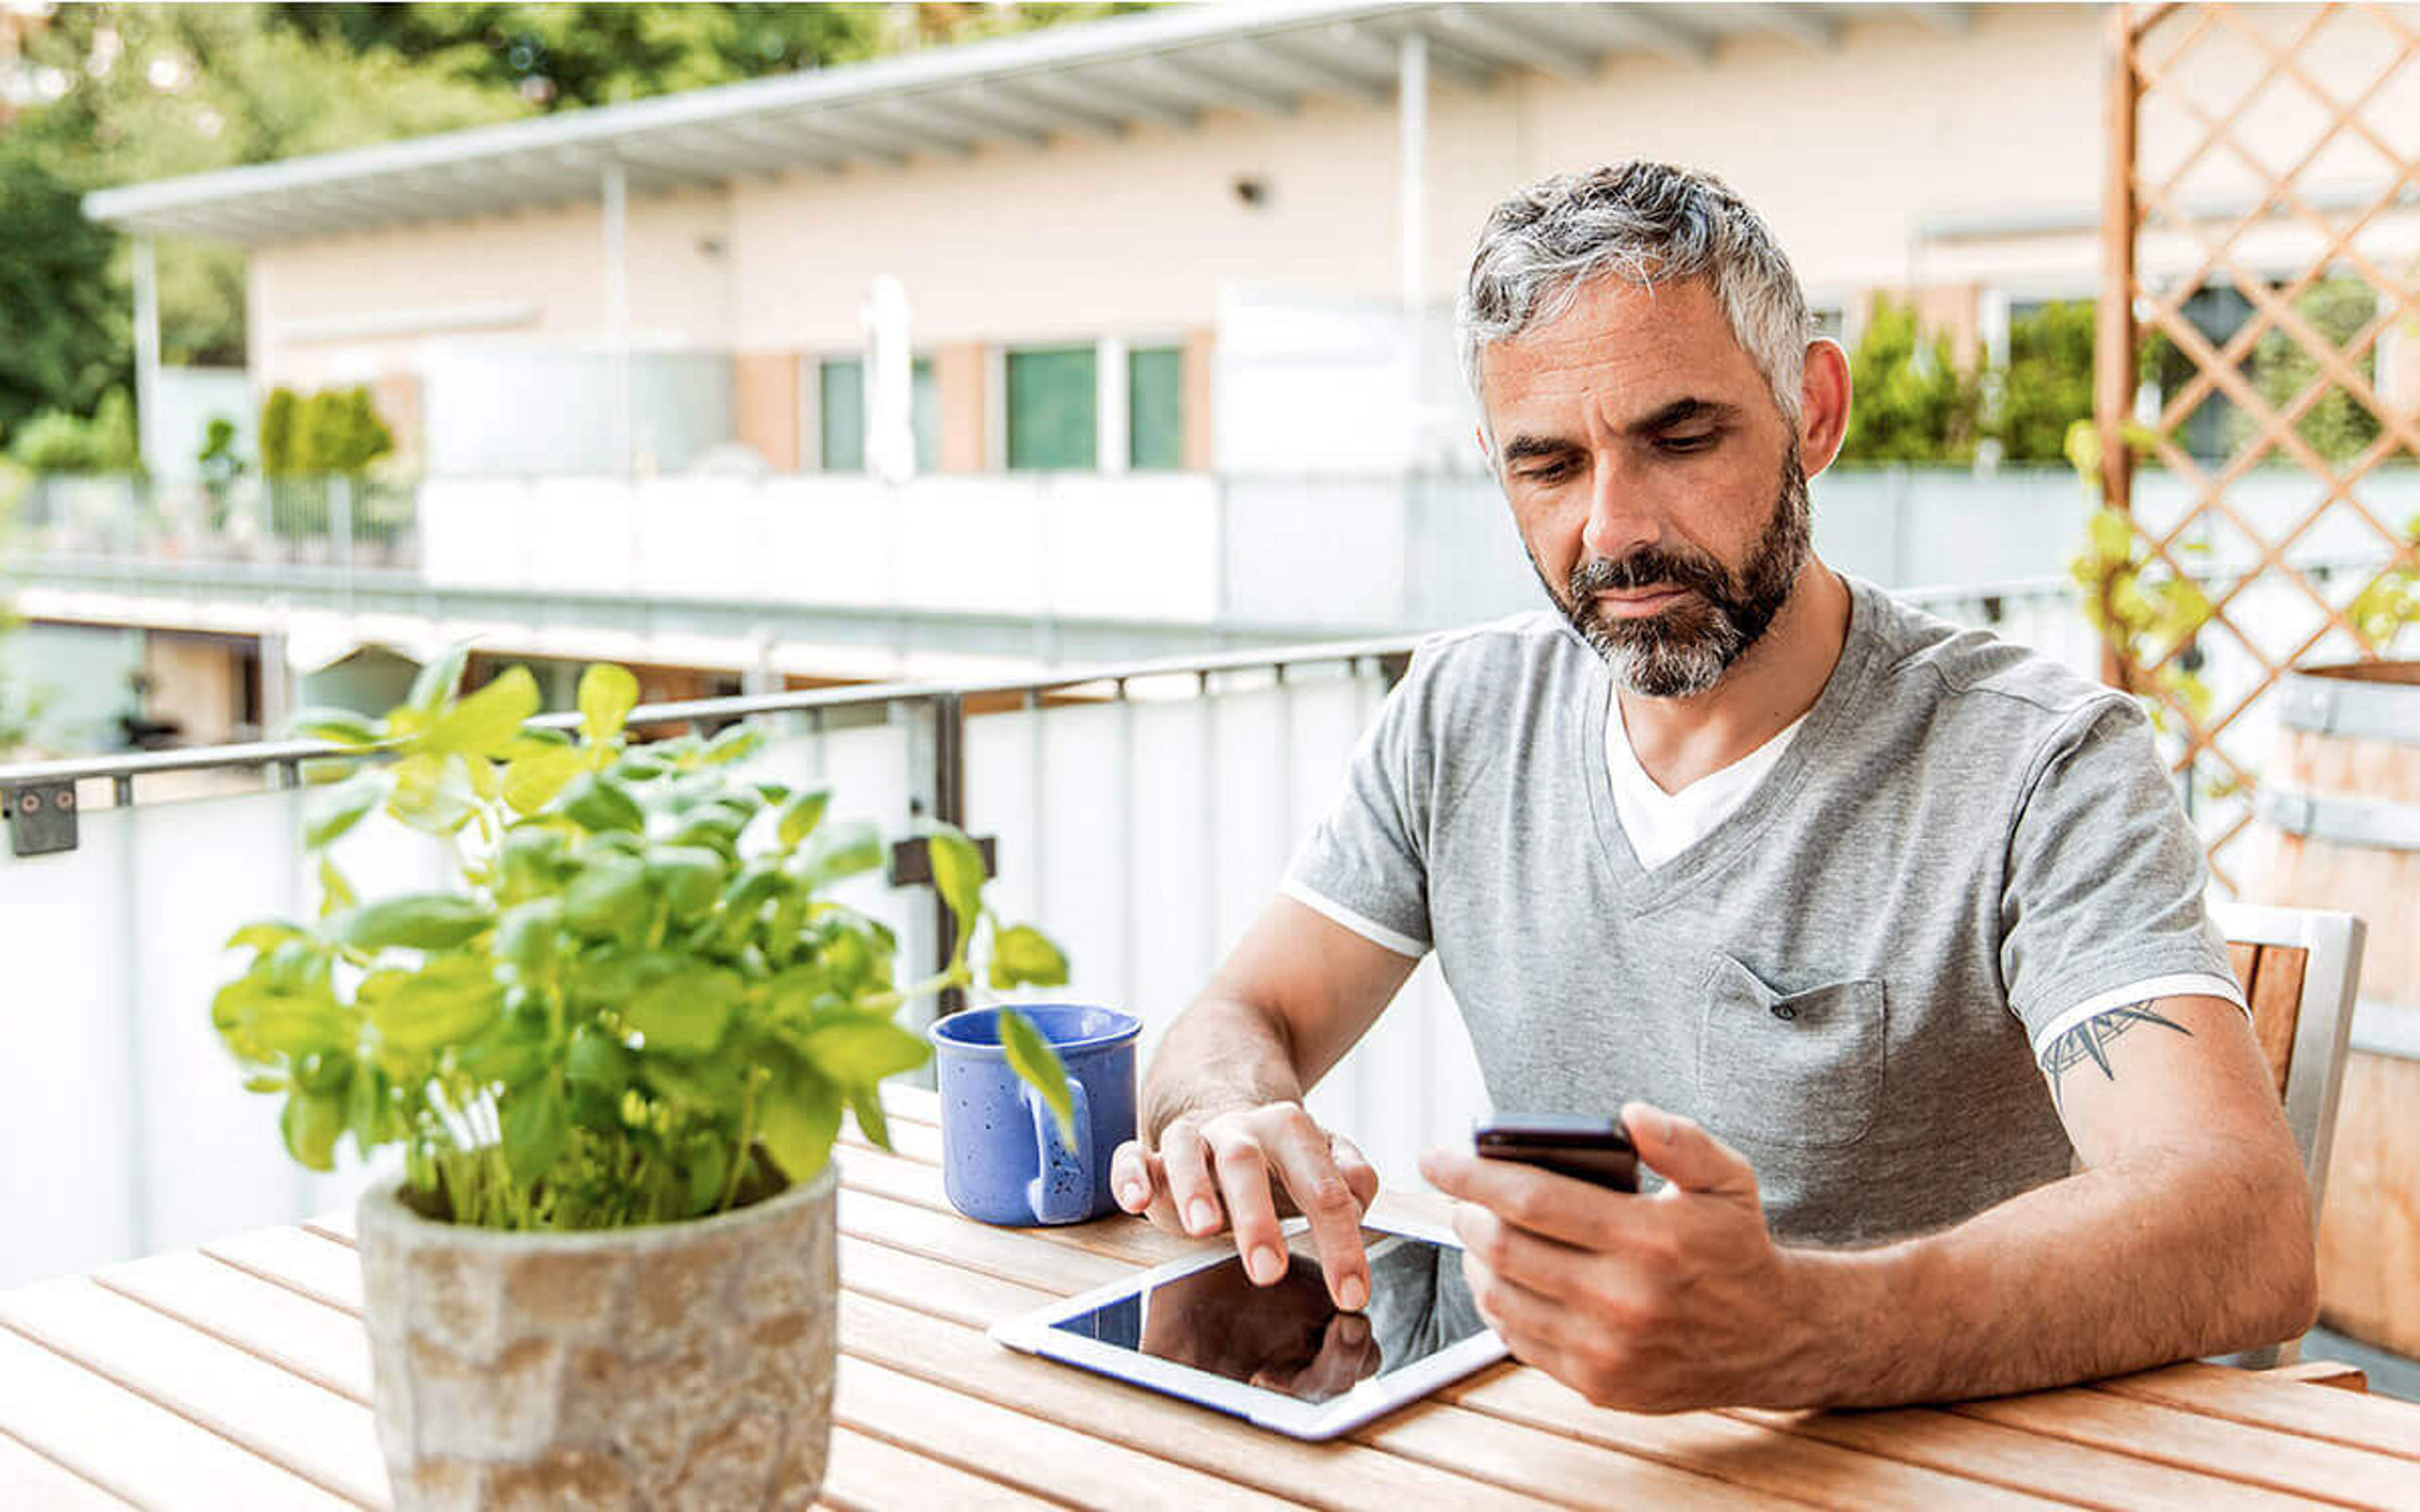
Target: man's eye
[(1551, 473), (1689, 443)]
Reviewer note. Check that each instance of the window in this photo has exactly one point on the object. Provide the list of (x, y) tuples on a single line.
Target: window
[(1155, 409), (1053, 405), (925, 414), (842, 397)]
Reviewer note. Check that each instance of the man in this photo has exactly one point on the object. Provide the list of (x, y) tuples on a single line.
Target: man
[(1874, 930)]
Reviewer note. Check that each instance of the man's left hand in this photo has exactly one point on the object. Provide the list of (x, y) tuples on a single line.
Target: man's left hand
[(1649, 1303)]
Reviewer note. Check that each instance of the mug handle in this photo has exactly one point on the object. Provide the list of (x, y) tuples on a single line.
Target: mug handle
[(1076, 1206)]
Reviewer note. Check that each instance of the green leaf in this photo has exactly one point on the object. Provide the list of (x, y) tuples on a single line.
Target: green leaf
[(609, 896), (437, 681), (420, 921), (536, 740), (706, 1084), (686, 1012), (335, 893), (1023, 956), (432, 795), (338, 727), (598, 1060), (607, 696), (1031, 1058), (732, 745), (488, 721), (2112, 536), (537, 1127), (858, 1048), (265, 934), (845, 851), (310, 1125), (798, 1119), (260, 1021), (597, 803), (509, 1052), (866, 1103), (343, 807), (442, 1004), (957, 876), (326, 771), (689, 877), (528, 935)]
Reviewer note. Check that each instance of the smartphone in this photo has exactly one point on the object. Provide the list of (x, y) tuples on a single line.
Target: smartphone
[(1587, 1149)]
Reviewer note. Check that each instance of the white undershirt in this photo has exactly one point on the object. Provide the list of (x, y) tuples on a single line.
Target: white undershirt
[(1661, 825)]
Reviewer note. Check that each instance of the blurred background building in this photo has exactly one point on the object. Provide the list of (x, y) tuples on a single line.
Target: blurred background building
[(1176, 290)]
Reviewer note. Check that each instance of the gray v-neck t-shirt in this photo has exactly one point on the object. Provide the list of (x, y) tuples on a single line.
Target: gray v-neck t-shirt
[(1847, 978)]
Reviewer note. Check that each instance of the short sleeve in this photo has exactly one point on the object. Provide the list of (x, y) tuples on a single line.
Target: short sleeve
[(1365, 864), (2106, 876)]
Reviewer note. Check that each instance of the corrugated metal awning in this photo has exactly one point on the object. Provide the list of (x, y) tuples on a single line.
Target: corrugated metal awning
[(1102, 79)]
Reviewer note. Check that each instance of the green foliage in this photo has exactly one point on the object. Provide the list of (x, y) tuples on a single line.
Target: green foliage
[(2391, 603), (2047, 386), (335, 430), (2146, 610), (57, 442), (2338, 426), (1911, 402), (640, 1004), (68, 341)]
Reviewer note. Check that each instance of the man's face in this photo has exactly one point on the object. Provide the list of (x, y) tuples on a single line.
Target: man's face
[(1652, 477)]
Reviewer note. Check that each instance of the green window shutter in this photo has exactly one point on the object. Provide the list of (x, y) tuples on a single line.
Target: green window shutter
[(842, 394), (1053, 409), (1155, 409), (924, 407)]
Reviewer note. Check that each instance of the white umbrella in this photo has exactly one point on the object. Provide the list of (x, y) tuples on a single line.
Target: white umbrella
[(891, 431)]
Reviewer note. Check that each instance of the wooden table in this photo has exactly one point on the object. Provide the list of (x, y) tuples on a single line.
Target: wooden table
[(238, 1375)]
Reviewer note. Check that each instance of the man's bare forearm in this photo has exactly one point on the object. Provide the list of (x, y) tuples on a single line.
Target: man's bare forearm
[(2166, 1255), (1221, 1052)]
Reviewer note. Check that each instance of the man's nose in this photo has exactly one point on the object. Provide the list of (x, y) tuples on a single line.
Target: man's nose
[(1620, 520)]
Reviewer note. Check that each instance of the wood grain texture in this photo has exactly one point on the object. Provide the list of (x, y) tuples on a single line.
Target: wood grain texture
[(133, 1447), (869, 1474), (305, 1429), (2369, 1225), (28, 1479), (321, 1344), (2275, 996), (2317, 1411)]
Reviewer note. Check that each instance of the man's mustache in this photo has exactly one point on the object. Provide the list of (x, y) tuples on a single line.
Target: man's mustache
[(1650, 567)]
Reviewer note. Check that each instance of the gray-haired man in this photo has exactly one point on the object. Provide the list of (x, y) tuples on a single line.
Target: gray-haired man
[(1874, 930)]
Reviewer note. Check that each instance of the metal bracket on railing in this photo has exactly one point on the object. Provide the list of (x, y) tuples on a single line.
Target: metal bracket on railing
[(912, 860), (41, 817)]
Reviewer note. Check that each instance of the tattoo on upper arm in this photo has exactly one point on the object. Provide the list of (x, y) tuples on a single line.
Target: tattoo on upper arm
[(2084, 1042)]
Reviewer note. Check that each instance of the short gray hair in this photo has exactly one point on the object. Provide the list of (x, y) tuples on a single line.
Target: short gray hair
[(1649, 223)]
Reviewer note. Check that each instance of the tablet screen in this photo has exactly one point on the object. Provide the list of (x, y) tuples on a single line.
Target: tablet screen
[(1289, 1339)]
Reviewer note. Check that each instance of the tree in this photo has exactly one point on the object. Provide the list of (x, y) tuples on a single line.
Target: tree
[(2047, 386), (281, 420), (1911, 402), (67, 339)]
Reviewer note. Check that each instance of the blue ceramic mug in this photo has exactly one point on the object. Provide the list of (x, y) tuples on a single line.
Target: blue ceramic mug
[(1003, 1159)]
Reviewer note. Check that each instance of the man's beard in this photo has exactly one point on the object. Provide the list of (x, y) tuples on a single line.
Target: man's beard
[(1686, 649)]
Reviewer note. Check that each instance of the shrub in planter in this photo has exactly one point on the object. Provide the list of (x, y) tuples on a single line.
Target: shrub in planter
[(615, 1059)]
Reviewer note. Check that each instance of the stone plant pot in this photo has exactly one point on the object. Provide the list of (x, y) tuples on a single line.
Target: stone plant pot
[(684, 1365)]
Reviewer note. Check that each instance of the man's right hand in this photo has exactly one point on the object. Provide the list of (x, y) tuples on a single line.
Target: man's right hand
[(1236, 1169)]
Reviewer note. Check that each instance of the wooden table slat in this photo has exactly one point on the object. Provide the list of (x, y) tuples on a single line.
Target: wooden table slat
[(2018, 1460), (1732, 1449), (2315, 1410), (1025, 1451), (135, 1447), (326, 1439), (960, 1358), (319, 1343), (29, 1479), (1011, 1254), (933, 1286), (2242, 1452), (316, 1267), (873, 1474)]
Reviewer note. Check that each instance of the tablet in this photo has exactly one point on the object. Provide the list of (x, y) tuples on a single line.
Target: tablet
[(1282, 1356)]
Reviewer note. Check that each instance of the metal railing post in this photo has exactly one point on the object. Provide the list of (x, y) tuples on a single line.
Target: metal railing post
[(340, 532)]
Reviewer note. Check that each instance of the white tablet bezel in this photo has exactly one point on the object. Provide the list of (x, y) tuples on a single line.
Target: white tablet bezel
[(1036, 1333)]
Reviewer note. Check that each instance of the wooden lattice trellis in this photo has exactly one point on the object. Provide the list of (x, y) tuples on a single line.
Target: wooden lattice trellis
[(2305, 109)]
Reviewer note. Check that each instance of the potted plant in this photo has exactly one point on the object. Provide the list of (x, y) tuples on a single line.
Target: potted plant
[(615, 1059)]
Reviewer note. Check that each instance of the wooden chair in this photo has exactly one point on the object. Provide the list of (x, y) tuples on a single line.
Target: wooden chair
[(2299, 969)]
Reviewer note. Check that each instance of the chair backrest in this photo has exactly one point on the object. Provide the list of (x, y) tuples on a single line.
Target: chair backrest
[(2299, 969)]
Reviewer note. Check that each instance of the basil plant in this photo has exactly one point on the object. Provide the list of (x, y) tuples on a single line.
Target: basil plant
[(640, 1005)]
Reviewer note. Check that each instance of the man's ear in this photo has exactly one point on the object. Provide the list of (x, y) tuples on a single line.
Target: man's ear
[(1823, 401)]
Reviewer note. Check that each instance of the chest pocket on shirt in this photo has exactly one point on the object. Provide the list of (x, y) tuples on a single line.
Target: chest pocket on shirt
[(1804, 1068)]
